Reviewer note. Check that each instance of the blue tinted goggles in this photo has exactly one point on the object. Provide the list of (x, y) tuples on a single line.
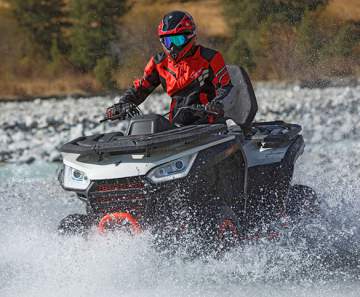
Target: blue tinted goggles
[(177, 40)]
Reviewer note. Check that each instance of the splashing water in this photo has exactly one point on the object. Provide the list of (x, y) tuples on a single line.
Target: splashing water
[(35, 261)]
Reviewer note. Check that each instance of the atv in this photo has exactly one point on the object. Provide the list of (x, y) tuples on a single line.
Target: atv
[(221, 183)]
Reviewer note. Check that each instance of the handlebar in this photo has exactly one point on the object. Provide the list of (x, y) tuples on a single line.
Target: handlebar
[(130, 110), (198, 109), (118, 117)]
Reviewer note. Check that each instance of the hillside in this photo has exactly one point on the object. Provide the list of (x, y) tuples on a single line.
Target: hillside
[(207, 13), (345, 9), (25, 72)]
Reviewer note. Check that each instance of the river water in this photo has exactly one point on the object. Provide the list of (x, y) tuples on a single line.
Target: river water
[(323, 261)]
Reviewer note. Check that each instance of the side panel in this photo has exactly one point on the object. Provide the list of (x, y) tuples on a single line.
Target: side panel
[(268, 186), (219, 177)]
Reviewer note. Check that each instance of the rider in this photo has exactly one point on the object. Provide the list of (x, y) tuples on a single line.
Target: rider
[(188, 72)]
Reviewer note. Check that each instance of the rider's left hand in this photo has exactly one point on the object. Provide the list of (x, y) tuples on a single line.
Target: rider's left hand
[(215, 106)]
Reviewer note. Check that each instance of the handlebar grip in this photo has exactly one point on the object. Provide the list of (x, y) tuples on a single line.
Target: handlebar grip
[(202, 108), (120, 116)]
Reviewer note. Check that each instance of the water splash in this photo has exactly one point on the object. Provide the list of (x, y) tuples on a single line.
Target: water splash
[(323, 257)]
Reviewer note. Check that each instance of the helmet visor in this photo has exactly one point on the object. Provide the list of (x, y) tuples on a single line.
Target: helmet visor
[(177, 40)]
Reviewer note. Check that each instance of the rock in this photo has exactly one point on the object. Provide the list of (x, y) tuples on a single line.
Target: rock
[(21, 126), (30, 122), (52, 122), (55, 156), (19, 142), (76, 131), (5, 156), (26, 159), (5, 139), (296, 88)]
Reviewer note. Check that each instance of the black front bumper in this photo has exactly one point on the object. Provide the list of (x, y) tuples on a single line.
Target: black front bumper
[(135, 195)]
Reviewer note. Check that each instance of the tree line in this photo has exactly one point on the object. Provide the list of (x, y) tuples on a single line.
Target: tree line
[(84, 32), (273, 39), (291, 39)]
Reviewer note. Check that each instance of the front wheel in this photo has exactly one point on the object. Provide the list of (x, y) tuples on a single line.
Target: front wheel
[(227, 230), (227, 235), (75, 224)]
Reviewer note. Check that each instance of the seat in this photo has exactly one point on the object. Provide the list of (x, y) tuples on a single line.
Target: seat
[(148, 124), (240, 104)]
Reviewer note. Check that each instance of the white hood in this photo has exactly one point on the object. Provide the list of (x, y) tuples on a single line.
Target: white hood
[(120, 166)]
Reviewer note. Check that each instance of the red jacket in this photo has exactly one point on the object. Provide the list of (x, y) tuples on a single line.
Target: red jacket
[(198, 78)]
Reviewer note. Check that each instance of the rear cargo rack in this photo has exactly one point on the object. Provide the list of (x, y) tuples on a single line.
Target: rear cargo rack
[(276, 133)]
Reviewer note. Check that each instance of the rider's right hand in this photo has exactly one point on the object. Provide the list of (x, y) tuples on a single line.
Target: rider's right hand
[(113, 111)]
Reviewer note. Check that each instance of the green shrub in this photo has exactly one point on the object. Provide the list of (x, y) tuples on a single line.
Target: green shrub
[(263, 32)]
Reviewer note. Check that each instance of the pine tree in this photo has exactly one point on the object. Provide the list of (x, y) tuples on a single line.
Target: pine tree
[(44, 20), (94, 29), (290, 11), (251, 22)]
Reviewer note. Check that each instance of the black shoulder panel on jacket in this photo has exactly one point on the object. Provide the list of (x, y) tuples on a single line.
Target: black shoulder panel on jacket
[(207, 53), (158, 58)]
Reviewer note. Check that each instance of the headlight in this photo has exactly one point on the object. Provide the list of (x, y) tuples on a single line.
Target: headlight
[(75, 179), (172, 170)]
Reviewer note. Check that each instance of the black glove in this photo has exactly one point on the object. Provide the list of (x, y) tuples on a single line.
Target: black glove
[(122, 111), (114, 111), (215, 106)]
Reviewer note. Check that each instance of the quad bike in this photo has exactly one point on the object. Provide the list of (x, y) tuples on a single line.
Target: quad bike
[(220, 182)]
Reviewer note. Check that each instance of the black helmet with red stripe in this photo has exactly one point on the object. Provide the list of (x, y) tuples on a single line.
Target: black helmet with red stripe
[(177, 32)]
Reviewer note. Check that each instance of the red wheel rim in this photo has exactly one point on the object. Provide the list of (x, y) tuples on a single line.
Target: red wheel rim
[(119, 217), (228, 225)]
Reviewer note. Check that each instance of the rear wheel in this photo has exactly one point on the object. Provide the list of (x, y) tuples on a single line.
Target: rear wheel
[(302, 200)]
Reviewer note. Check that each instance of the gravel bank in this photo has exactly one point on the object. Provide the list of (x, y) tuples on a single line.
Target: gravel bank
[(35, 130)]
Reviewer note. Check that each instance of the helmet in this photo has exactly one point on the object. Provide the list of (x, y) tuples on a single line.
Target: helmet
[(177, 32)]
